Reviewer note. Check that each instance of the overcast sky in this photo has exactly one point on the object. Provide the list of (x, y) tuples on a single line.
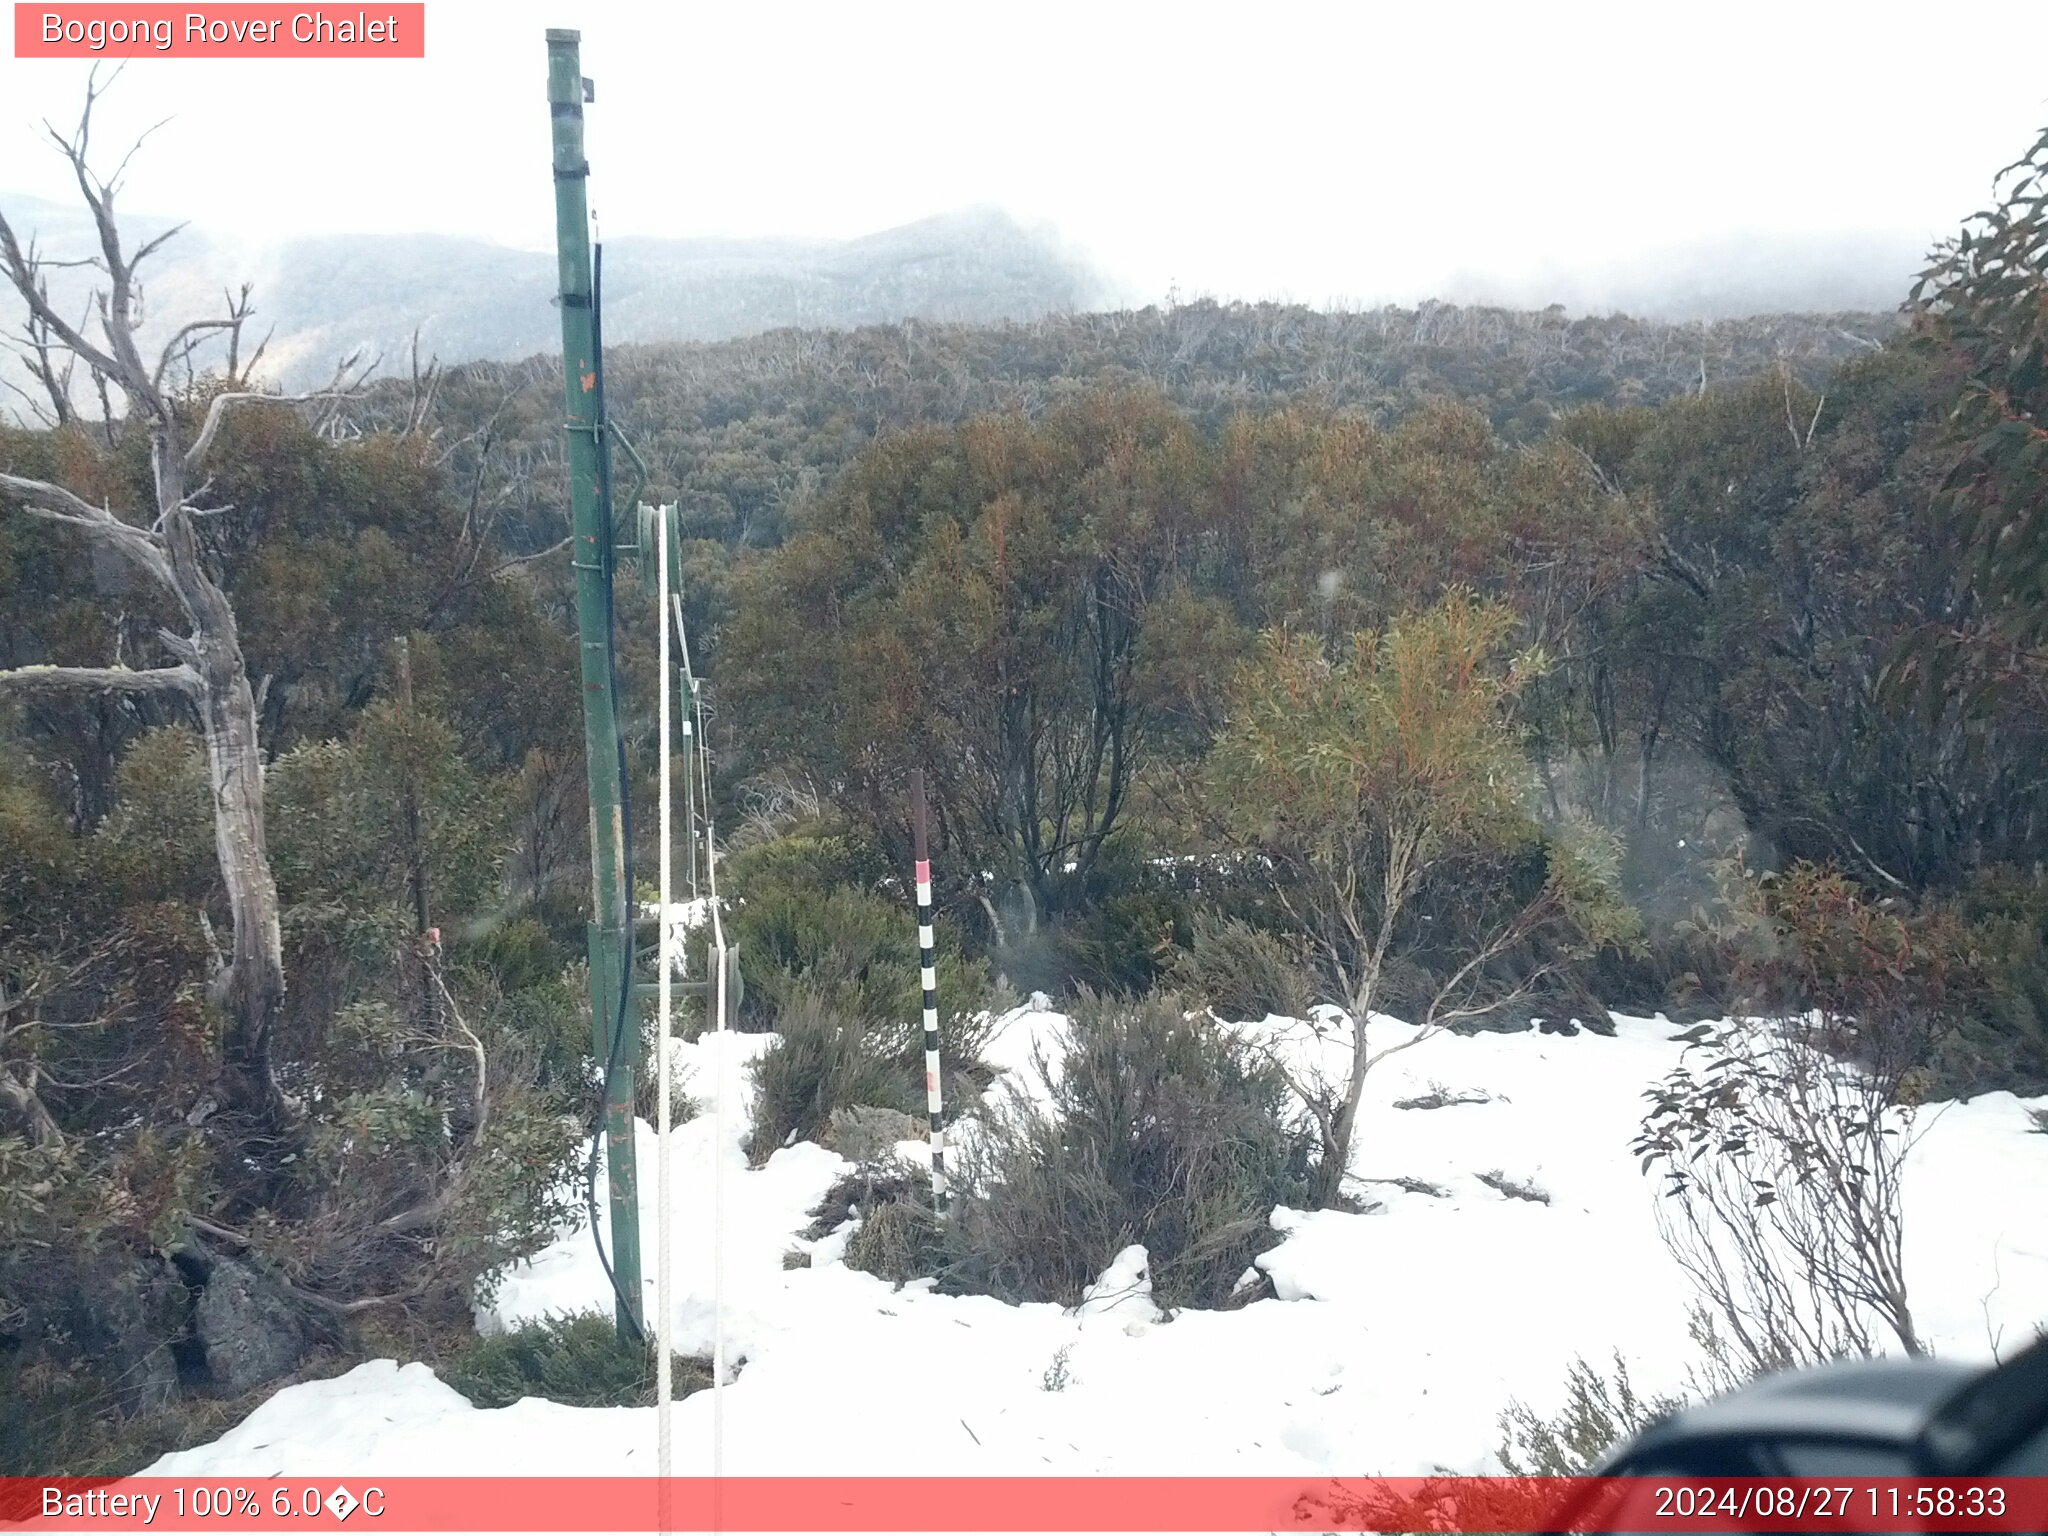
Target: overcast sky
[(1313, 151)]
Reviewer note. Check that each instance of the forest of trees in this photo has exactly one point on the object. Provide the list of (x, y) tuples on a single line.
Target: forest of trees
[(1472, 666)]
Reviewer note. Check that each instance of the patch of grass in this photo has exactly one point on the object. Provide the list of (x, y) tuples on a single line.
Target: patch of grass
[(577, 1359), (899, 1237), (1515, 1189), (52, 1424), (1440, 1097)]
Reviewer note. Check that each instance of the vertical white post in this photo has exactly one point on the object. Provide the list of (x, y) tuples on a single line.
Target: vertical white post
[(719, 1000), (717, 1170), (718, 1167), (663, 1315)]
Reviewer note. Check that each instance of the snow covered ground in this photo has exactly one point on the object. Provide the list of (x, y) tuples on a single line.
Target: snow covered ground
[(1397, 1337)]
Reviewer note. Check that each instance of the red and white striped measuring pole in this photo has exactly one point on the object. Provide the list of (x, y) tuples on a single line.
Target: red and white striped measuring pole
[(928, 973)]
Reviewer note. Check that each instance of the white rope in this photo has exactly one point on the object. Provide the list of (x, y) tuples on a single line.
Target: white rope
[(718, 1165), (664, 944), (670, 606), (720, 1000)]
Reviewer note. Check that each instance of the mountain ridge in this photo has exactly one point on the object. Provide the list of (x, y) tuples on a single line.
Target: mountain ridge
[(326, 296)]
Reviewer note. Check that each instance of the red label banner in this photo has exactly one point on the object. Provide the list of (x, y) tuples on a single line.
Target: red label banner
[(225, 31), (1016, 1504)]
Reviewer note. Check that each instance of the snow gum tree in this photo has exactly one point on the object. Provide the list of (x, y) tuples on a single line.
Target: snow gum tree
[(981, 599), (162, 542), (1363, 776)]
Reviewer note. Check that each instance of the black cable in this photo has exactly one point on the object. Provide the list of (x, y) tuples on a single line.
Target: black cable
[(629, 1308)]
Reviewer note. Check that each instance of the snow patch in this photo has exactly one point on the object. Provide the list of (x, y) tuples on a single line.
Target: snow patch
[(1393, 1339)]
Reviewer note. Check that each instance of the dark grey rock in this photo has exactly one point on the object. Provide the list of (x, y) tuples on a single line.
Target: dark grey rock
[(249, 1329)]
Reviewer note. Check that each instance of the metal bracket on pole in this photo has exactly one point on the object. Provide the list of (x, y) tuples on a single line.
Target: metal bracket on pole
[(618, 435), (649, 518)]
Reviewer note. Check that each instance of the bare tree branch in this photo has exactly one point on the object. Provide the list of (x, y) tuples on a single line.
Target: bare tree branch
[(239, 310), (217, 408), (21, 273), (185, 341), (151, 246), (540, 554), (53, 503), (179, 679), (22, 1098), (426, 382), (326, 1303), (117, 306), (36, 338), (69, 506)]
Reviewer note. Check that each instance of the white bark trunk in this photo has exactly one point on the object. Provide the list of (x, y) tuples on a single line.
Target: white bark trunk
[(251, 988)]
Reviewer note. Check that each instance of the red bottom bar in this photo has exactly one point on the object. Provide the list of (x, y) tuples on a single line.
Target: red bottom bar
[(1018, 1504)]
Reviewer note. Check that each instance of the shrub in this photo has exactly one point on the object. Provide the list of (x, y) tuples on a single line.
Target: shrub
[(899, 1237), (577, 1359), (158, 837), (1782, 1140), (823, 1060), (552, 1019), (70, 1426), (1159, 1128), (866, 1133), (1115, 928), (2000, 1036), (856, 949), (1599, 1412), (842, 970), (1125, 942), (1243, 973), (814, 856), (520, 953)]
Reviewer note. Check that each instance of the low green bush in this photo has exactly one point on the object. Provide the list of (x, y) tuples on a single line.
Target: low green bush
[(1158, 1128), (858, 949), (576, 1358), (2000, 1035), (1125, 943), (899, 1236), (823, 1059), (813, 856), (1242, 972)]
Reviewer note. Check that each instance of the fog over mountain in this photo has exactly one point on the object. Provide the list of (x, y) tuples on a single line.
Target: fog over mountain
[(1723, 278), (327, 296), (330, 295)]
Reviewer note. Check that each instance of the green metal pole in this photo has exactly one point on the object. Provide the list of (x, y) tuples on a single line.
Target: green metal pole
[(610, 933)]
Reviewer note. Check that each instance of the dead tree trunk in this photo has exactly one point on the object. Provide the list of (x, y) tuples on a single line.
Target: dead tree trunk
[(209, 669)]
